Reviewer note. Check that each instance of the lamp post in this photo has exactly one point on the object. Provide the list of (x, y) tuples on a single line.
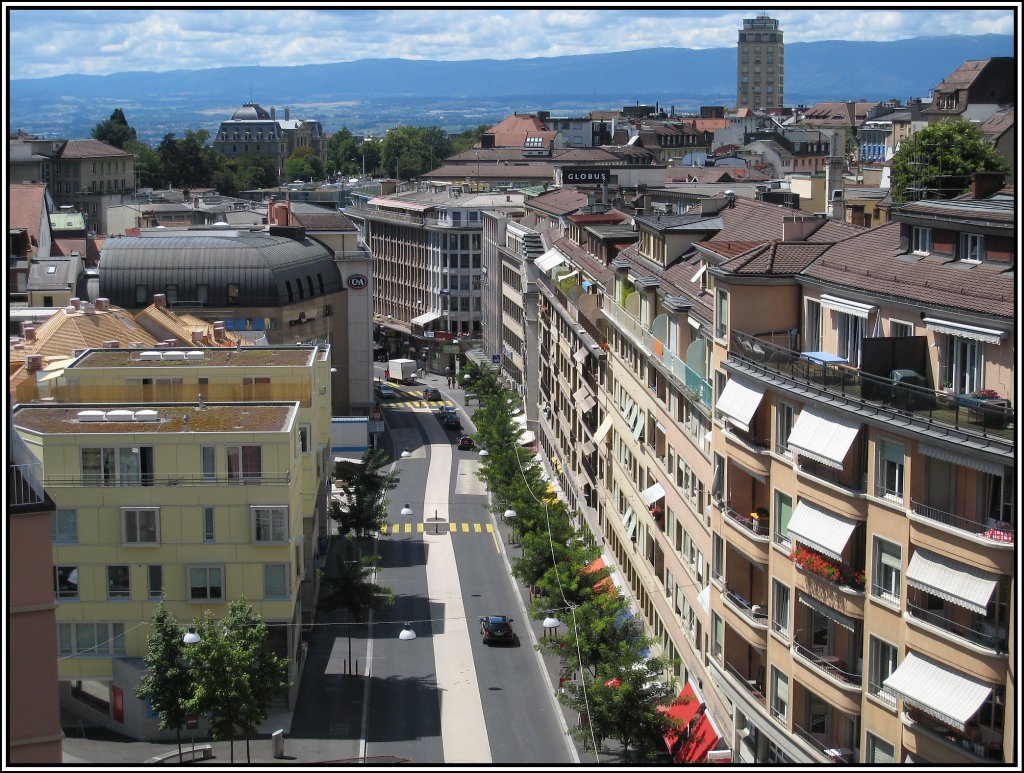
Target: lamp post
[(407, 633), (510, 516), (191, 722), (550, 624), (406, 453)]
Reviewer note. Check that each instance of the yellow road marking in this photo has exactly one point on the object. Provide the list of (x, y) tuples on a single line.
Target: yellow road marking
[(453, 527), (494, 536), (419, 526), (490, 528), (408, 528), (465, 527), (476, 527)]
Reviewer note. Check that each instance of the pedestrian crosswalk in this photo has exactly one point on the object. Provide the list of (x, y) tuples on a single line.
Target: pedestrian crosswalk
[(414, 399), (438, 527)]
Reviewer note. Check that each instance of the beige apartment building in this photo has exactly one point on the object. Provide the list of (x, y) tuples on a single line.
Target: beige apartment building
[(197, 476), (802, 464), (760, 65)]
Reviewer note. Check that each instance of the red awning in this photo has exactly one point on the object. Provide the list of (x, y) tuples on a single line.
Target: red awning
[(684, 709), (606, 584), (702, 740), (689, 747)]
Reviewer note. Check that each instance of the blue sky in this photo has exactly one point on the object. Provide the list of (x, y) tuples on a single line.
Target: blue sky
[(98, 41)]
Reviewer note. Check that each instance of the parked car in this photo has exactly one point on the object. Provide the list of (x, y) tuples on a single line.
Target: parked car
[(432, 393), (446, 410), (451, 421), (466, 443), (383, 390), (497, 628)]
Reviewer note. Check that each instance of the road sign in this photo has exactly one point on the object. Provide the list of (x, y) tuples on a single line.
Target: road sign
[(495, 359)]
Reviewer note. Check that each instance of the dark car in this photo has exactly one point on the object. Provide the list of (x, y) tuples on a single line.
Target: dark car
[(466, 443), (432, 393), (451, 421), (445, 410), (497, 628)]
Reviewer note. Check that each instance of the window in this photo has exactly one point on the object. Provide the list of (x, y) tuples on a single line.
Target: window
[(117, 466), (717, 556), (900, 329), (886, 571), (270, 524), (889, 475), (304, 438), (783, 512), (245, 463), (64, 525), (722, 321), (65, 582), (971, 247), (156, 581), (209, 532), (780, 608), (205, 583), (921, 240), (118, 583), (785, 417), (780, 695), (716, 484), (962, 363), (275, 581), (717, 635), (209, 462), (812, 327), (850, 330), (882, 661), (91, 638), (141, 525)]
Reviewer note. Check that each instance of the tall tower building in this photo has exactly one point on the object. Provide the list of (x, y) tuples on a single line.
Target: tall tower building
[(759, 64)]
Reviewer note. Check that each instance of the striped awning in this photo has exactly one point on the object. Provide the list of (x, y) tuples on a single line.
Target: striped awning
[(942, 692), (846, 307), (738, 402), (549, 260), (425, 319), (826, 439), (961, 584), (959, 329), (963, 459), (834, 615), (826, 532)]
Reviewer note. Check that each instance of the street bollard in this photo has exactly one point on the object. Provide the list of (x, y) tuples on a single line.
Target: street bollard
[(278, 744)]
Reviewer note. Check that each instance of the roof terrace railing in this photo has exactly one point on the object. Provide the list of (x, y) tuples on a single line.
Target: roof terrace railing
[(993, 419)]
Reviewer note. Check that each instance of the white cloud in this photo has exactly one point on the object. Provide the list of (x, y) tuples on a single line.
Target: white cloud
[(101, 41)]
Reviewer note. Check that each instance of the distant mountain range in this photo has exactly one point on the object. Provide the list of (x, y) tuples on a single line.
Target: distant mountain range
[(371, 95)]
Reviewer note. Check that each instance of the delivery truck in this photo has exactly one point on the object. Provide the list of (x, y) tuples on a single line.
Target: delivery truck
[(402, 371)]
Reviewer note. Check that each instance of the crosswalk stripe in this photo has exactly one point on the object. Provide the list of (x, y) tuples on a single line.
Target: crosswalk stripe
[(419, 527), (476, 527), (453, 528)]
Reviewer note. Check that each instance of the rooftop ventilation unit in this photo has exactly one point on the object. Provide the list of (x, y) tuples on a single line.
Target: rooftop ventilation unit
[(119, 415), (151, 355), (174, 355), (194, 355), (90, 415), (146, 415)]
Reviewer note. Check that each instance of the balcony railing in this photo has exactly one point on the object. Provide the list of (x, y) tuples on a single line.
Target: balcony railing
[(995, 639), (831, 754), (883, 694), (953, 736), (997, 532), (758, 526), (993, 419), (23, 486), (265, 479), (692, 382), (757, 614), (754, 686), (828, 664)]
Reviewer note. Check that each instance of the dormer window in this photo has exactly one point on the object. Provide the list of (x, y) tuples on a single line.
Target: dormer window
[(971, 248), (921, 240)]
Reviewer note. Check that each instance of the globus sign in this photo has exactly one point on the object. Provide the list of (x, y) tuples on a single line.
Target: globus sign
[(358, 282), (585, 175)]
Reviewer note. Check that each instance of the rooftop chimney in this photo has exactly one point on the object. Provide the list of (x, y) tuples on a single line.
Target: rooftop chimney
[(984, 184), (102, 304), (76, 302), (197, 337), (33, 362), (160, 300), (29, 332)]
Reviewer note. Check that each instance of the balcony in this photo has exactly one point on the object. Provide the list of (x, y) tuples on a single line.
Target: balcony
[(996, 531), (682, 374), (755, 524), (755, 614), (23, 487), (754, 687), (833, 572), (147, 479), (830, 665), (954, 740), (951, 415), (979, 632), (828, 753)]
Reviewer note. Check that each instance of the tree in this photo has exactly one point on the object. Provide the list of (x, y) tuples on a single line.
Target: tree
[(938, 161), (148, 166), (254, 170), (467, 139), (303, 164), (233, 676), (362, 506), (166, 683), (114, 130), (408, 151)]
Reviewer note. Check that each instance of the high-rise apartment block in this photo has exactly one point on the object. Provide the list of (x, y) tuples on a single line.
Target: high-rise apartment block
[(760, 64)]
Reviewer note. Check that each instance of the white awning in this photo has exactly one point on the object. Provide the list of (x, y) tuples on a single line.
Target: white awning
[(629, 522), (549, 260), (961, 330), (638, 427), (587, 448), (527, 438), (942, 692), (652, 494), (951, 580), (603, 429), (847, 307), (347, 460), (738, 402), (834, 615), (427, 318), (824, 439), (570, 275), (580, 354), (956, 457), (520, 419), (700, 272), (587, 403), (704, 597), (579, 394), (826, 532)]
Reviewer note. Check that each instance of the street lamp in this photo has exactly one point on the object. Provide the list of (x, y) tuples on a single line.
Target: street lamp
[(510, 515), (406, 453), (191, 637), (550, 624), (406, 511), (483, 452), (407, 633)]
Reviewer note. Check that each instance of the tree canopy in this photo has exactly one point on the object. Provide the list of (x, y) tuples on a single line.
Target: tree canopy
[(937, 162), (114, 130)]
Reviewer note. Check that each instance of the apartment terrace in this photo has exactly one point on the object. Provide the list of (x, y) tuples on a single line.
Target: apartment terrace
[(87, 419), (954, 417), (243, 356)]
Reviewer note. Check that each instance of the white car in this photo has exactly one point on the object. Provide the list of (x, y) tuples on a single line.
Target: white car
[(383, 390)]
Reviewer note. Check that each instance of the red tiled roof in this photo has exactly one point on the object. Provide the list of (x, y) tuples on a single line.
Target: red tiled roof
[(558, 202), (25, 203), (90, 149)]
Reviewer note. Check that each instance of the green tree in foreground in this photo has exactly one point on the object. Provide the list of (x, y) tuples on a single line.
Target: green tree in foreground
[(361, 507), (938, 161), (114, 130), (166, 683)]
